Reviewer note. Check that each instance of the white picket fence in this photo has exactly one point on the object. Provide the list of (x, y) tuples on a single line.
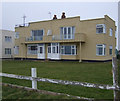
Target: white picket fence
[(36, 79)]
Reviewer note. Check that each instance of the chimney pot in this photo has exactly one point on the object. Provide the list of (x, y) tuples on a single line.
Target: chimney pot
[(55, 17), (63, 15)]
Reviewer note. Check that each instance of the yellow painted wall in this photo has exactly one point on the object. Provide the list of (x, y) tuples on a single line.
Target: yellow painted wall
[(88, 27), (89, 47)]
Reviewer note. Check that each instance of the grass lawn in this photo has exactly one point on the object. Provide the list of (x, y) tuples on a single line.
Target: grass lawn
[(18, 93), (72, 71)]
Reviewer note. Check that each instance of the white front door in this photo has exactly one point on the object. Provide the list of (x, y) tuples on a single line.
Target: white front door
[(53, 51), (41, 51)]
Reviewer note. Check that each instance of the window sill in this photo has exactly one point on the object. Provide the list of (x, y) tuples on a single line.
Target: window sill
[(100, 33), (68, 54), (100, 55)]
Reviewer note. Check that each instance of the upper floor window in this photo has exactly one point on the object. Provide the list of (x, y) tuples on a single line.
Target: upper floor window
[(7, 51), (37, 34), (8, 39), (16, 35), (67, 32), (100, 49), (110, 50), (100, 28), (110, 31), (49, 32)]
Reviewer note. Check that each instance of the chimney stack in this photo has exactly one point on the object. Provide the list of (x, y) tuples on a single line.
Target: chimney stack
[(55, 17), (63, 15)]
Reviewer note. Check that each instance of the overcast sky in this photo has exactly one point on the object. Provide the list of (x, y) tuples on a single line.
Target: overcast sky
[(12, 12)]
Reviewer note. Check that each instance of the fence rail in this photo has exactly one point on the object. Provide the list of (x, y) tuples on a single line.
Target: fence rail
[(84, 84)]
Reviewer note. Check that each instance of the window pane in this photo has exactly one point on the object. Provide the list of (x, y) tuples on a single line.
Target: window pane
[(33, 47), (104, 52), (73, 32), (110, 50), (73, 51), (69, 32), (32, 50), (16, 50), (65, 33), (68, 50), (61, 33), (99, 30), (53, 49), (100, 51), (37, 34), (41, 49), (57, 49), (111, 31), (62, 50), (7, 50), (49, 49)]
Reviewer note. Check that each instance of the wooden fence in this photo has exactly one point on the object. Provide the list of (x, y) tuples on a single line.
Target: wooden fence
[(115, 87)]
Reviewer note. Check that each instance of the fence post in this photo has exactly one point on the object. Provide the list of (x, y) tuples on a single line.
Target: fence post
[(115, 77), (34, 74)]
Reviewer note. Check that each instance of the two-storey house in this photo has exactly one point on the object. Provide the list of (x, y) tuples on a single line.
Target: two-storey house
[(67, 39)]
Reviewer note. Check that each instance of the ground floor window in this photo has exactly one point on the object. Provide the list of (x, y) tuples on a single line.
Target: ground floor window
[(100, 49), (16, 50), (68, 50), (32, 49), (7, 51), (53, 48), (110, 50)]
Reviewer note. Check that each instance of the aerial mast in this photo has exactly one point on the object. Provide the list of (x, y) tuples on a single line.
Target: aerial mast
[(24, 17), (49, 14)]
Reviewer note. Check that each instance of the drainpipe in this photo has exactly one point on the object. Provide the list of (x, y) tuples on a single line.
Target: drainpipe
[(80, 53)]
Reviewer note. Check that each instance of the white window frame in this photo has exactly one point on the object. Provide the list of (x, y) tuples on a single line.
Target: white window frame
[(8, 39), (29, 52), (99, 26), (8, 51), (110, 31), (110, 48), (49, 32), (103, 46), (16, 50), (33, 37), (67, 34), (73, 47), (55, 46), (17, 35)]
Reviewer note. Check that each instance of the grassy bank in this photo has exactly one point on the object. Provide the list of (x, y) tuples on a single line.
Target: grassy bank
[(18, 93)]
